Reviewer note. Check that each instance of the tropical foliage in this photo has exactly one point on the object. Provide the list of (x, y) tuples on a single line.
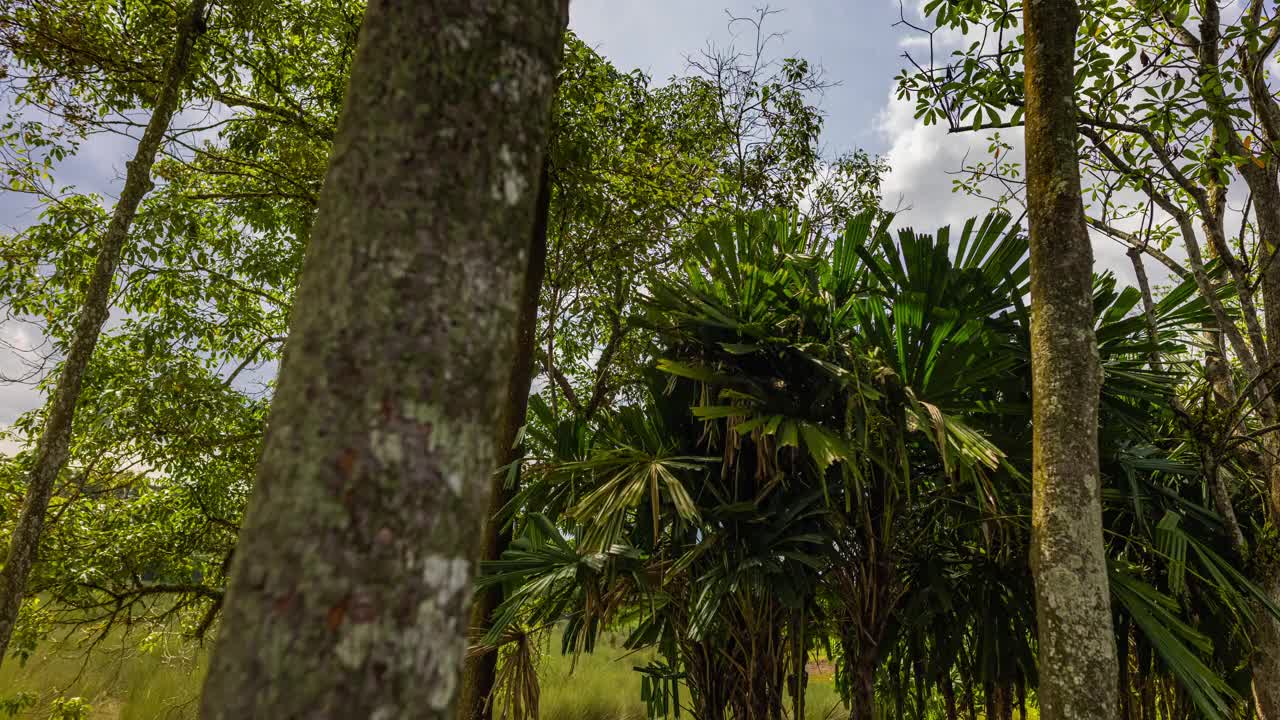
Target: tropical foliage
[(831, 455)]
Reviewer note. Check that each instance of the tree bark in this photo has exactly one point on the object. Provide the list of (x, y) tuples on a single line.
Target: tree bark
[(1148, 307), (1003, 701), (949, 696), (479, 672), (864, 693), (1265, 663), (53, 447), (1126, 680), (1021, 687), (1078, 667), (350, 592)]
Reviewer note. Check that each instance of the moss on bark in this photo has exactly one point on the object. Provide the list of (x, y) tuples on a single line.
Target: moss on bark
[(479, 672), (1078, 667)]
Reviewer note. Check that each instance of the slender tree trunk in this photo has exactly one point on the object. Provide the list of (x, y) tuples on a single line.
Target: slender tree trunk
[(1022, 696), (970, 701), (1218, 373), (350, 592), (864, 694), (1148, 307), (53, 447), (799, 675), (1078, 668), (1265, 663), (1219, 377), (1266, 203), (1003, 701), (1126, 680), (479, 672), (949, 697)]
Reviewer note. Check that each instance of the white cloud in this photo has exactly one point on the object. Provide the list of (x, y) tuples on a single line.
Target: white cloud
[(923, 163), (942, 41), (20, 347), (21, 350), (9, 447), (923, 160)]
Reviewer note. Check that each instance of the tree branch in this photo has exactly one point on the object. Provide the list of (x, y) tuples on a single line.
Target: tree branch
[(1137, 244)]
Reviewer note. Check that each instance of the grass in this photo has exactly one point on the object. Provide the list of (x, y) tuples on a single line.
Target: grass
[(126, 678), (159, 678), (603, 686), (822, 702)]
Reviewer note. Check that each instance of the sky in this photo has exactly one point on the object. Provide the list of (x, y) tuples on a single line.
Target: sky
[(854, 42), (857, 43), (860, 45)]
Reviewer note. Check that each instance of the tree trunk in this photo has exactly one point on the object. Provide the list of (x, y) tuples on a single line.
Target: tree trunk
[(479, 672), (864, 694), (798, 681), (1078, 668), (1022, 696), (53, 447), (1126, 680), (918, 678), (1265, 664), (949, 696), (1003, 701), (350, 592), (1219, 376), (1218, 373), (1148, 307)]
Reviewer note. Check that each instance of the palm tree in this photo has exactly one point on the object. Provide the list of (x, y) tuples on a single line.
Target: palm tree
[(832, 450)]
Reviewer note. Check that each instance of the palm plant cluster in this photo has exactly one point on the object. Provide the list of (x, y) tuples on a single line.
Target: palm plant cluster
[(829, 456)]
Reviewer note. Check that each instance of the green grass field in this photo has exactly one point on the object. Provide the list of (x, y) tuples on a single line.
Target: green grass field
[(603, 686), (128, 678), (158, 677)]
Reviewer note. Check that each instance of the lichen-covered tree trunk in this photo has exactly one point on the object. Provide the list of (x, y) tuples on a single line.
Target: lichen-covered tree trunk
[(1265, 663), (479, 672), (1078, 668), (1218, 372), (350, 592), (1265, 187), (53, 446)]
